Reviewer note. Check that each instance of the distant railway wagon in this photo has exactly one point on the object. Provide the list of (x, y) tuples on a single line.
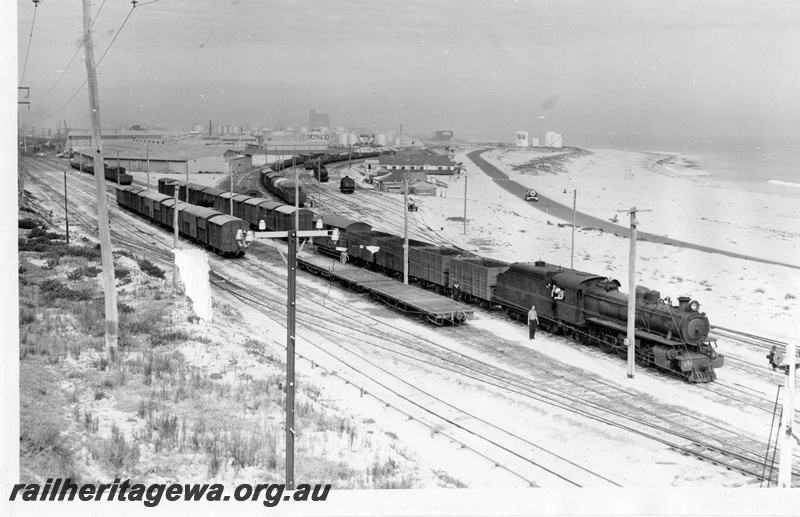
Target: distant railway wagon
[(347, 185), (282, 187), (116, 174), (344, 226), (206, 226)]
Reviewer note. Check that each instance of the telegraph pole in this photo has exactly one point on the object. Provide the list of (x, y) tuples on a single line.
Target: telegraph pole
[(465, 202), (66, 205), (630, 342), (292, 236), (112, 321), (230, 170), (175, 236), (405, 233), (787, 419), (147, 151)]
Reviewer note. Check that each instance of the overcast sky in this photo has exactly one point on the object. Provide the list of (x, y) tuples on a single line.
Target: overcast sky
[(662, 68)]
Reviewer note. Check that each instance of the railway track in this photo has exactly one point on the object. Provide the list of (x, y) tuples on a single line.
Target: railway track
[(600, 402)]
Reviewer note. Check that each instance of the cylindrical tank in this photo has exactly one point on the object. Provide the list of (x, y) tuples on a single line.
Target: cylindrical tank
[(341, 138), (235, 130), (219, 130), (379, 139), (353, 139)]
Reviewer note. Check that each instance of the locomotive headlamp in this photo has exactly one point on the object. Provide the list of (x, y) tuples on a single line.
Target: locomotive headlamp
[(694, 306)]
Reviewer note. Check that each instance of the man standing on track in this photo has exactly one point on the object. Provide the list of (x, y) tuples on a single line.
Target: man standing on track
[(533, 321)]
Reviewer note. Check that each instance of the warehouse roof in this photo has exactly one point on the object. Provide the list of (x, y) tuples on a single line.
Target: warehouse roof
[(130, 150)]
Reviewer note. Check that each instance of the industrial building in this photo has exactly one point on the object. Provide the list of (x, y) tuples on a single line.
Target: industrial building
[(318, 120), (522, 139), (431, 164), (169, 158), (82, 138)]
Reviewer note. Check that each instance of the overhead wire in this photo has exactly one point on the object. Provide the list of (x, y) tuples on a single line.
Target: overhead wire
[(104, 55), (73, 56), (30, 38)]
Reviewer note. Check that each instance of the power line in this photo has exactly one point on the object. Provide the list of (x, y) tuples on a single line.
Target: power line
[(30, 38), (101, 57), (73, 58)]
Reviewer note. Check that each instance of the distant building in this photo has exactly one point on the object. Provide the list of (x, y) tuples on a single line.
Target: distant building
[(443, 135), (316, 120), (552, 139), (522, 139), (82, 138), (409, 162), (169, 158)]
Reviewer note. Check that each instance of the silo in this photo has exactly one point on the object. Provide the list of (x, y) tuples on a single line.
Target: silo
[(379, 140)]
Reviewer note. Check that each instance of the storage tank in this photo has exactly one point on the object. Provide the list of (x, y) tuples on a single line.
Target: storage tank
[(522, 139), (341, 138), (379, 139), (353, 139), (236, 130), (219, 130)]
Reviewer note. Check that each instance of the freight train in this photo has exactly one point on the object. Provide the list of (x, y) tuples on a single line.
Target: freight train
[(115, 174), (586, 307), (207, 227)]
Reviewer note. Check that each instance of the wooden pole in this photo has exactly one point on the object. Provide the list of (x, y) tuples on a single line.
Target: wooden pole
[(109, 288), (787, 418), (175, 237), (405, 233), (230, 170), (66, 205), (290, 351), (465, 203), (147, 150), (631, 340), (574, 207)]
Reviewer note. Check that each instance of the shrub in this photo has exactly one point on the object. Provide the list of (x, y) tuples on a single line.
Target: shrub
[(150, 269), (122, 272), (55, 289), (27, 224), (115, 453)]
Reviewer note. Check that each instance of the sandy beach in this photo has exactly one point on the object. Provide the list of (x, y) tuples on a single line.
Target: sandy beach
[(742, 294)]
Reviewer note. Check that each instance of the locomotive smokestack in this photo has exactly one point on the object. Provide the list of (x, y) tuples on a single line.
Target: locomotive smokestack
[(683, 302)]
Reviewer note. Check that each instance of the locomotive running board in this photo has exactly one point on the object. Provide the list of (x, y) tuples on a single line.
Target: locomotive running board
[(638, 333)]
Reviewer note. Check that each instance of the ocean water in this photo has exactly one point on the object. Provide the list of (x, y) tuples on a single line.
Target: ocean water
[(768, 167)]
